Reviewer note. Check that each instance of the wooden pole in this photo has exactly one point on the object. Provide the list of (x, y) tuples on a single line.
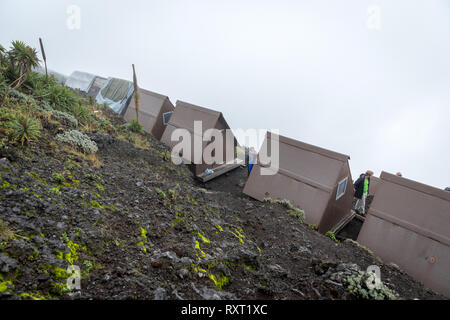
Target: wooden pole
[(43, 56), (136, 94)]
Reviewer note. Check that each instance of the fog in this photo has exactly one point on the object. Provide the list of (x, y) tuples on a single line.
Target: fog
[(370, 79)]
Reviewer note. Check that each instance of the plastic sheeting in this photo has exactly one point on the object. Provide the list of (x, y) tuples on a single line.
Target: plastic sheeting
[(80, 80), (96, 86), (116, 93)]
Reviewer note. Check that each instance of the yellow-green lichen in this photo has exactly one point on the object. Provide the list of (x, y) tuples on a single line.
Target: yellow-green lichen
[(144, 240), (238, 233), (37, 177), (100, 186), (221, 282), (204, 239), (32, 296), (4, 284), (202, 254)]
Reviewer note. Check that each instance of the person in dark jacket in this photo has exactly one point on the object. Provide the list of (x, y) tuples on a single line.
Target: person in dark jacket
[(361, 186)]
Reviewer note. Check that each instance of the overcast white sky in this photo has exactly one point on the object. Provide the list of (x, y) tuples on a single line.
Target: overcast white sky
[(319, 70)]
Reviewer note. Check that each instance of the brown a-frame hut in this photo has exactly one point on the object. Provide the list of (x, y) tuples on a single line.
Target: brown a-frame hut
[(311, 178), (408, 223), (183, 117), (155, 111)]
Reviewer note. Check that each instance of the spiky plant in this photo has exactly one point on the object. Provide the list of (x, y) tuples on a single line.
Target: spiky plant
[(24, 128), (135, 126), (2, 52), (60, 98), (23, 58), (81, 113)]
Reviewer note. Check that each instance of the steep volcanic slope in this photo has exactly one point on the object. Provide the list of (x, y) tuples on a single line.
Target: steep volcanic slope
[(140, 227)]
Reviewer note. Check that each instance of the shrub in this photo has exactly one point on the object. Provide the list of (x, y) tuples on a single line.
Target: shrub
[(88, 264), (91, 100), (81, 113), (357, 286), (24, 128), (297, 214), (29, 105), (66, 118), (166, 155), (3, 88), (331, 235), (58, 177), (286, 203), (78, 140), (51, 92), (161, 193), (134, 126), (55, 190), (61, 98), (16, 95)]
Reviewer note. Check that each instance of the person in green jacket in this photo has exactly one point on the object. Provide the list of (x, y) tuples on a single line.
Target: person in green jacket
[(361, 191)]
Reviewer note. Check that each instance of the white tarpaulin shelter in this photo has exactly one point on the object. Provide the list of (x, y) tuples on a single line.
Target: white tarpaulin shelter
[(116, 93), (80, 80)]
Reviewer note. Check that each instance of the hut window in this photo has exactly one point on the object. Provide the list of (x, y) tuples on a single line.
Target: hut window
[(166, 117), (342, 187)]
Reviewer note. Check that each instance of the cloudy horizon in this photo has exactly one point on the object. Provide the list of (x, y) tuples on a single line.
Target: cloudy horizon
[(369, 79)]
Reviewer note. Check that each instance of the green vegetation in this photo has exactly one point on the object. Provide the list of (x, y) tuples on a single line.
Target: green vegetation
[(172, 194), (24, 128), (135, 126), (291, 210), (220, 282), (65, 118), (30, 102), (55, 190), (161, 193), (143, 239), (297, 214), (22, 59), (166, 155), (357, 286), (79, 140), (59, 178), (332, 236), (88, 264)]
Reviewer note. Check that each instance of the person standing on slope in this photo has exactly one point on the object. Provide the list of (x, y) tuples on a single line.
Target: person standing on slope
[(361, 186), (251, 159)]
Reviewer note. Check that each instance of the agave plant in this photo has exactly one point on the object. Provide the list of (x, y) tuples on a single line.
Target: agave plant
[(23, 58), (24, 128)]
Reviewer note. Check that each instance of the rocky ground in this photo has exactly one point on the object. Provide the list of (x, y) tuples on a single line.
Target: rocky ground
[(140, 227)]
